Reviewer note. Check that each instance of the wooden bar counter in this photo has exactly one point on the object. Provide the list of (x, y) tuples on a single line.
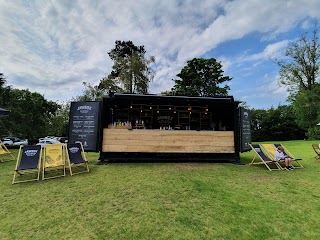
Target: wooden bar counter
[(167, 141)]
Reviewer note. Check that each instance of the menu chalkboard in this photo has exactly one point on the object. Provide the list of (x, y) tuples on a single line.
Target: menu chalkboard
[(245, 129), (84, 124)]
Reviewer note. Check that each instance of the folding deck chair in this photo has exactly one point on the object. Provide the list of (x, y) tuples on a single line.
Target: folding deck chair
[(4, 152), (317, 150), (54, 161), (286, 152), (76, 158), (264, 158), (270, 149), (28, 162)]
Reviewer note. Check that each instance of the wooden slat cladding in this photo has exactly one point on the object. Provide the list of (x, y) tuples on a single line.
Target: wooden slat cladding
[(123, 140)]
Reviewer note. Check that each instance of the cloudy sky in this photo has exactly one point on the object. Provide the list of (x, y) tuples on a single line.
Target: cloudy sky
[(52, 46)]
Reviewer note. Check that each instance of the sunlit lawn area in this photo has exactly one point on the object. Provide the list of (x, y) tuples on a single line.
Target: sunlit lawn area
[(167, 201)]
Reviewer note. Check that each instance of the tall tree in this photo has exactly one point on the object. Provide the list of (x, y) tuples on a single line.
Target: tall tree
[(300, 73), (131, 71), (301, 68), (201, 77)]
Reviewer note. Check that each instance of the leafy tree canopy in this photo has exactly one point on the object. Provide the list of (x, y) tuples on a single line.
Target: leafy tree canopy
[(300, 69), (4, 90), (2, 80), (30, 115), (91, 93), (306, 106), (275, 124), (201, 77), (131, 71), (125, 49), (59, 122)]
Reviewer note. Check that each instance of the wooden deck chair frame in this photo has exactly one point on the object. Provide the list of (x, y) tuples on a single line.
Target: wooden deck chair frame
[(78, 147), (54, 159), (264, 159), (4, 151), (21, 157), (296, 161), (316, 148)]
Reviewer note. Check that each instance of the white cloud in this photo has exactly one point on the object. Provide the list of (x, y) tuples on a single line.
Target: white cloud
[(270, 52), (50, 45), (272, 88), (246, 16)]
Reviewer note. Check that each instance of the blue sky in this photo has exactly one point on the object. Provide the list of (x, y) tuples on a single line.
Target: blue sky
[(51, 47)]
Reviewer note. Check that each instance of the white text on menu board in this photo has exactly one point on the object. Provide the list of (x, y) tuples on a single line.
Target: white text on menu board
[(83, 125)]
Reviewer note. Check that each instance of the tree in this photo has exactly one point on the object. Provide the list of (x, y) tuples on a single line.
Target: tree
[(131, 71), (275, 124), (109, 84), (30, 115), (201, 77), (167, 93), (4, 90), (306, 106), (59, 123), (2, 80), (91, 93), (300, 72), (301, 68), (2, 83)]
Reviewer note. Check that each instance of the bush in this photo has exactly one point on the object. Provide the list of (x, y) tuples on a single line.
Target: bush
[(314, 133)]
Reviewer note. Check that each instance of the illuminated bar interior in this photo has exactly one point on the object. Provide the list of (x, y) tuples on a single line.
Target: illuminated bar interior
[(172, 114)]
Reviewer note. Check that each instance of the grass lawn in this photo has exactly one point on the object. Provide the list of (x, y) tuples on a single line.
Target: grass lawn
[(167, 201)]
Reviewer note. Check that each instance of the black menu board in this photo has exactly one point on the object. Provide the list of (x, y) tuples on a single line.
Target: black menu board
[(245, 126), (84, 124)]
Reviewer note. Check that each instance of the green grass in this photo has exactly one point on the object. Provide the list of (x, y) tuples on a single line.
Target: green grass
[(167, 201)]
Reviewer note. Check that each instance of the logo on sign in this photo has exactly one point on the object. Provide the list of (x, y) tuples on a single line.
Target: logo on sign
[(74, 149), (54, 151), (31, 153), (84, 108)]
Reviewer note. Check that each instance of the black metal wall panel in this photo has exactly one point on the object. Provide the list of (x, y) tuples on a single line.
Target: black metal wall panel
[(245, 129)]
